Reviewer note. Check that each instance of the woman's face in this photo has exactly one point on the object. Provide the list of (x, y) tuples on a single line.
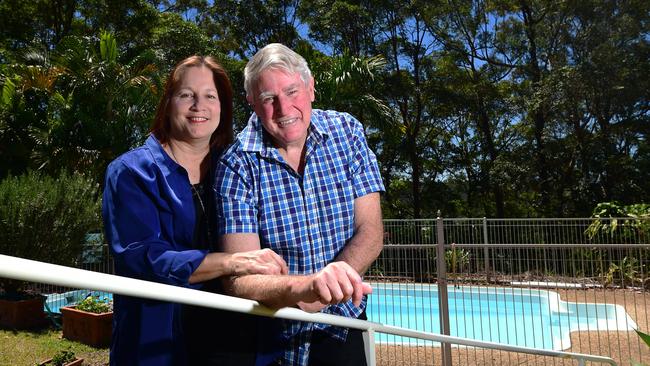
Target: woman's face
[(194, 107)]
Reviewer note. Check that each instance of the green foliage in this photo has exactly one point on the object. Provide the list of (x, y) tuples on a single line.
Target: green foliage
[(95, 304), (376, 270), (244, 28), (108, 47), (8, 92), (625, 273), (174, 39), (644, 337), (614, 220), (457, 259), (46, 219), (63, 357), (346, 83), (473, 108), (345, 25), (76, 107)]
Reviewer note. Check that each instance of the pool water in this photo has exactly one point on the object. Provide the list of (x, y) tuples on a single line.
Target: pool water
[(523, 317), (55, 302)]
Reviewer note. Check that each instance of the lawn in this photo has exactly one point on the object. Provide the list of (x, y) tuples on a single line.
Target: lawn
[(28, 348)]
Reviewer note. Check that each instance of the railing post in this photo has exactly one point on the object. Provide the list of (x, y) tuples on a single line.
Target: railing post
[(443, 298), (369, 341), (486, 251)]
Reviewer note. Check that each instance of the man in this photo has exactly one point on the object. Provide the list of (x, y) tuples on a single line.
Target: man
[(304, 183)]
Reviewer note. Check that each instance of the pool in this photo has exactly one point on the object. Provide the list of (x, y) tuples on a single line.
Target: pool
[(516, 316), (54, 302)]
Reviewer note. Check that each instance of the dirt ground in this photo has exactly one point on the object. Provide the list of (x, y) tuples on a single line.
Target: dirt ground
[(624, 347)]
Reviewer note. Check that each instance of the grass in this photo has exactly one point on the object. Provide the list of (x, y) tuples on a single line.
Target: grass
[(29, 348)]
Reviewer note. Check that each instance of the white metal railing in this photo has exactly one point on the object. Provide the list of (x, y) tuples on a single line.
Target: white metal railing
[(28, 270)]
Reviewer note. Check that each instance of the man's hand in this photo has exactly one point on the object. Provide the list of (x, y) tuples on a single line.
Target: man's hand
[(336, 283)]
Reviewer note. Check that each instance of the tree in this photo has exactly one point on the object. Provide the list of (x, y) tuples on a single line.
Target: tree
[(346, 26), (409, 49), (244, 28), (90, 108), (174, 39), (479, 108)]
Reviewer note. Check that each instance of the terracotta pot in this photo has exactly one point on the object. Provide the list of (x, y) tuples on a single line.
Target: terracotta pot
[(22, 314), (88, 328)]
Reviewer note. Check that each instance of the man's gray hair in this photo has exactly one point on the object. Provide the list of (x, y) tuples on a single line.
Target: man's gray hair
[(274, 56)]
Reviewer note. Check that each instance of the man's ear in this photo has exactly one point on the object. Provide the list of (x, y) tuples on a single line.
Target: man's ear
[(249, 99), (312, 90)]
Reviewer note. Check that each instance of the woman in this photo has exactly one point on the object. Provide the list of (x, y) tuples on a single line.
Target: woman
[(158, 213)]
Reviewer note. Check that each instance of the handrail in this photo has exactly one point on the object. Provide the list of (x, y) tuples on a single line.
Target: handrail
[(40, 272), (516, 245)]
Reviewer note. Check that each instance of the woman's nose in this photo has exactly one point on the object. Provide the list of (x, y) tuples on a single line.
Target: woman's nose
[(198, 102)]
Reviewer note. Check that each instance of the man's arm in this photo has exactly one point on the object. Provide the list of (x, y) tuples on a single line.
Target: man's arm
[(368, 239), (337, 282)]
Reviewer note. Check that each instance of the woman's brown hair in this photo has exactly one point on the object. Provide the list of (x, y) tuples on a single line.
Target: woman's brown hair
[(223, 135)]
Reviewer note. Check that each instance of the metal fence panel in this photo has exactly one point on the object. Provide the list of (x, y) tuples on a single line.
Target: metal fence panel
[(572, 284), (494, 268)]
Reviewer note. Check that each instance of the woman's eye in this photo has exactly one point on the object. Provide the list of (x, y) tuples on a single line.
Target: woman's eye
[(184, 95)]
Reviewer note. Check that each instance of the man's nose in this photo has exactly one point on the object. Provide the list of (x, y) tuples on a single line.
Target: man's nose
[(282, 106)]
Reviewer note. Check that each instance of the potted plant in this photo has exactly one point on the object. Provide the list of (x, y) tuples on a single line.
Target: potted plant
[(45, 219), (89, 322), (63, 358)]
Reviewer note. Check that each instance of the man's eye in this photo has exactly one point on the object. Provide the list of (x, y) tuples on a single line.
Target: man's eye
[(292, 92), (267, 100)]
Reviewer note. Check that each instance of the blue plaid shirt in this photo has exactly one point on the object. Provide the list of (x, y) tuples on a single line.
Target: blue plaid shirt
[(307, 219)]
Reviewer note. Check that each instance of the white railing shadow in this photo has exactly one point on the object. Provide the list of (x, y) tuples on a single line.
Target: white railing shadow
[(40, 272)]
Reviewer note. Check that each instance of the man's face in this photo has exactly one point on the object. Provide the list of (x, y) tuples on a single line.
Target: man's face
[(282, 101)]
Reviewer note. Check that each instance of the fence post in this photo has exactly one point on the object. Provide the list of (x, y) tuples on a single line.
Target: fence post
[(369, 343), (443, 298), (486, 251)]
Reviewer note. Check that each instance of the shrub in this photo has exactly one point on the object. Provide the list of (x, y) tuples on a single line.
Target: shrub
[(614, 220), (63, 357), (93, 304), (46, 219)]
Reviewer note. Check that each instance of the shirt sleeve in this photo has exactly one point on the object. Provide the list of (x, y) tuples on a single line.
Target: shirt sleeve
[(132, 220), (235, 198), (366, 177)]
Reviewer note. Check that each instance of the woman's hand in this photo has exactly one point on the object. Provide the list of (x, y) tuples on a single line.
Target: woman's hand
[(262, 261)]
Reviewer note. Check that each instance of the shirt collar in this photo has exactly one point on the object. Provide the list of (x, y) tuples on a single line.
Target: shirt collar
[(164, 161), (167, 164)]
